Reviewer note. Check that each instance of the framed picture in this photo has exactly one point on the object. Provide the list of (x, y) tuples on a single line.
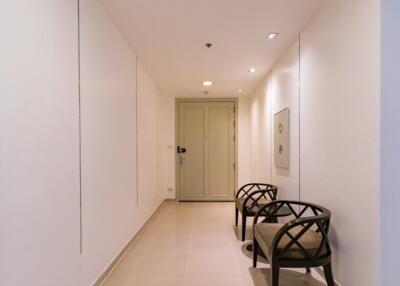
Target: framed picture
[(282, 138)]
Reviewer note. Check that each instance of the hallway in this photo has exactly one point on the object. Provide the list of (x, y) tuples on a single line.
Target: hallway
[(194, 244), (112, 111)]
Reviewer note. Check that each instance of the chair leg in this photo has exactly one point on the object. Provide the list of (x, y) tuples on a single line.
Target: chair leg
[(275, 275), (255, 252), (236, 216), (243, 227), (329, 274)]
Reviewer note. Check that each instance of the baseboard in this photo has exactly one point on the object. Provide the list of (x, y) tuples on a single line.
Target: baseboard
[(121, 254)]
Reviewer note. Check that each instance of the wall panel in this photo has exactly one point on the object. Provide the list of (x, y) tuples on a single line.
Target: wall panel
[(339, 129), (119, 141), (39, 150)]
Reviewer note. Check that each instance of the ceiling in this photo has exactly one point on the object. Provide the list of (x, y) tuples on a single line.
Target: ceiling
[(169, 37)]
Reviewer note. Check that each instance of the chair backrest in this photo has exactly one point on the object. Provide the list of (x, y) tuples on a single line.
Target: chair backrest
[(251, 188), (308, 219)]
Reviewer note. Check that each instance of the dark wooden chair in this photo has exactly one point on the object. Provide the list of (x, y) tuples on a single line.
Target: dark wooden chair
[(300, 243), (249, 200)]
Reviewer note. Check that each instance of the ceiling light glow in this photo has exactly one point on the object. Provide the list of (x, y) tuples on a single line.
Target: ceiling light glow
[(273, 36), (252, 70), (207, 83), (240, 90)]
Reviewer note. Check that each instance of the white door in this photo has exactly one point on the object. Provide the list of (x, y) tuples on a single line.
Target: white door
[(206, 159)]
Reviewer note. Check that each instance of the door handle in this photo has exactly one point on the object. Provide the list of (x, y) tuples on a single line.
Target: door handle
[(180, 150)]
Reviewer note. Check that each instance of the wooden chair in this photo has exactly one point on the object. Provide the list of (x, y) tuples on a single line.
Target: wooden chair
[(249, 200), (300, 243)]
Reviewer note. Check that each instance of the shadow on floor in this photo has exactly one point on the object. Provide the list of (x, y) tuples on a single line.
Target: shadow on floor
[(249, 254), (238, 232), (262, 277)]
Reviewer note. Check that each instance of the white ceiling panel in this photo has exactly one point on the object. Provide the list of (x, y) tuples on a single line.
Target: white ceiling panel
[(169, 37)]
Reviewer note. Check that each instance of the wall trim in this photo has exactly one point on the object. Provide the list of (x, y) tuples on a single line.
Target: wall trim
[(117, 259)]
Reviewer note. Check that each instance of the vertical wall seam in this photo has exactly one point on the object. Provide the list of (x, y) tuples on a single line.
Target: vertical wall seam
[(137, 135), (80, 131), (269, 83), (299, 107)]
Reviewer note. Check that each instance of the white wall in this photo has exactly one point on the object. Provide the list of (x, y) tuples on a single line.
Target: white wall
[(260, 133), (277, 91), (243, 154), (339, 130), (39, 179), (108, 92), (390, 141), (167, 146), (150, 196), (119, 163), (40, 151), (284, 93)]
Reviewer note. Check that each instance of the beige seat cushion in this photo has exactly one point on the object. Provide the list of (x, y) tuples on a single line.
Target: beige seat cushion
[(266, 232), (240, 203)]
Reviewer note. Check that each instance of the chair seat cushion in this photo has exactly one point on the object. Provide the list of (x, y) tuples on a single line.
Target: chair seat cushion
[(251, 206), (310, 240)]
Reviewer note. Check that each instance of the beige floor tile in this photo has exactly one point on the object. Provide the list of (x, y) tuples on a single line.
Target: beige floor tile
[(169, 245), (211, 245), (114, 282), (207, 230), (168, 219), (141, 245), (196, 244), (157, 283), (213, 282), (178, 230), (125, 269), (212, 266), (145, 282), (262, 277), (161, 266)]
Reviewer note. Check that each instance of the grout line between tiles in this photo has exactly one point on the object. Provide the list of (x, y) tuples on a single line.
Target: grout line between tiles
[(189, 252)]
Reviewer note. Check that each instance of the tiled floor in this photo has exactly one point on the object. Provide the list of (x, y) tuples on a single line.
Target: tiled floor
[(195, 244)]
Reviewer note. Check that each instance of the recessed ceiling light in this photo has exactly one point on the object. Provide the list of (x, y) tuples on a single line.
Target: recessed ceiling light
[(273, 35), (208, 83), (252, 70), (240, 90)]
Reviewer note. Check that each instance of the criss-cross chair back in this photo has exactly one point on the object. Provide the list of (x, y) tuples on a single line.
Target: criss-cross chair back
[(250, 198), (256, 194), (248, 189), (292, 235), (301, 242)]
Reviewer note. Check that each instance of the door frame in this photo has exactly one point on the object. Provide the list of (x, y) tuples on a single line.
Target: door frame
[(234, 100)]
